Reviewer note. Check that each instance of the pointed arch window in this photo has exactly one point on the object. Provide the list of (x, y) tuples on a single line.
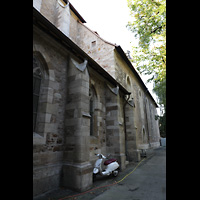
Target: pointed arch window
[(37, 78), (92, 116), (144, 135), (93, 113)]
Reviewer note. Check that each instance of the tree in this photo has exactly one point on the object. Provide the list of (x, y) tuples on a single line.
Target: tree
[(149, 57)]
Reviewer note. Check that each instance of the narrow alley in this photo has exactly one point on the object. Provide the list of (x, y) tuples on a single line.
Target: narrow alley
[(145, 180)]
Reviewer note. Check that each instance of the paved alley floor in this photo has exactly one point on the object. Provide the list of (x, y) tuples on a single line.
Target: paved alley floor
[(146, 181)]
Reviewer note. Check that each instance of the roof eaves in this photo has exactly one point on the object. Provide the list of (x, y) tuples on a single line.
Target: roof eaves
[(75, 11), (95, 33), (50, 29), (123, 55)]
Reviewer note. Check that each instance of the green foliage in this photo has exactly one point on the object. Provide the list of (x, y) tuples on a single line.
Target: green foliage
[(150, 20), (162, 122), (149, 24), (160, 90), (149, 57)]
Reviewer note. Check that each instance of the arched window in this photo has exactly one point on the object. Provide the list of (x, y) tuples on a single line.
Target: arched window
[(40, 81), (143, 135), (37, 77), (128, 81), (139, 91), (93, 119)]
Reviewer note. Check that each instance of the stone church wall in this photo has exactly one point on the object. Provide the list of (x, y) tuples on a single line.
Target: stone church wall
[(63, 149), (48, 139), (73, 100)]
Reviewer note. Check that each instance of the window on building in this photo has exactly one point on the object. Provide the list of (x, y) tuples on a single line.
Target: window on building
[(139, 93), (128, 81), (93, 113), (92, 116), (93, 43), (143, 135), (36, 89)]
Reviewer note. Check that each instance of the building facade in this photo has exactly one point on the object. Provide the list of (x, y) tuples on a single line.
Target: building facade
[(87, 99)]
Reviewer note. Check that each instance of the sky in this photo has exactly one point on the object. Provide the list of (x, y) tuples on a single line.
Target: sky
[(109, 19)]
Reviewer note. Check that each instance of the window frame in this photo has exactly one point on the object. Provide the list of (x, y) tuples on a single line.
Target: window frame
[(93, 111), (39, 132), (37, 76)]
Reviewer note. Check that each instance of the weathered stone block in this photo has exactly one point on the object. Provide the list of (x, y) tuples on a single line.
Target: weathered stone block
[(77, 176)]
